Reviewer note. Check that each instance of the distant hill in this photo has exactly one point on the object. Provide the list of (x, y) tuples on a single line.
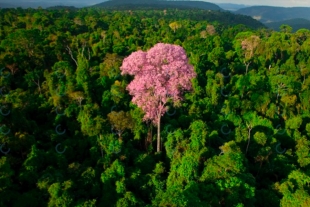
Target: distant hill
[(6, 5), (296, 24), (36, 4), (171, 4), (268, 14), (62, 7), (231, 7), (217, 15)]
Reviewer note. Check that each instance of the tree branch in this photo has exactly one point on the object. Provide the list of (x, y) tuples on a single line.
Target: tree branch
[(70, 53), (38, 84)]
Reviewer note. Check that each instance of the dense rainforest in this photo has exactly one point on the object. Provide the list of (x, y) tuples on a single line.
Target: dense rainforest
[(70, 134)]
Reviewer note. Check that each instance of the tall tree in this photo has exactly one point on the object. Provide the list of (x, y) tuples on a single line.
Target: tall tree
[(248, 43), (161, 75)]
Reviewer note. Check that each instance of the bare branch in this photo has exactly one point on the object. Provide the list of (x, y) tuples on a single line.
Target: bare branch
[(38, 84), (249, 136), (70, 53), (83, 47)]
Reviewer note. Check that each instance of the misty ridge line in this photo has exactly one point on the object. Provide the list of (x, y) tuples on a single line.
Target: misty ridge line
[(81, 4)]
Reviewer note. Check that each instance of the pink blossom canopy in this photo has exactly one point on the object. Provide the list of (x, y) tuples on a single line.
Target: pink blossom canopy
[(161, 73)]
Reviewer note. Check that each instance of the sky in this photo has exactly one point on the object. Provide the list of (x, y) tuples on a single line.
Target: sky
[(282, 3)]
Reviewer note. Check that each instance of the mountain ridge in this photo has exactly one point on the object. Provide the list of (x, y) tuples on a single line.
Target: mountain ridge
[(192, 4), (296, 24), (268, 14), (232, 7)]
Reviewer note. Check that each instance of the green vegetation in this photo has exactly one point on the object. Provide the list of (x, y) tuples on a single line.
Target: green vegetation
[(70, 134)]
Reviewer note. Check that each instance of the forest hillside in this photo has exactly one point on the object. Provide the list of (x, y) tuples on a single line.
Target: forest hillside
[(296, 24), (161, 3), (268, 14)]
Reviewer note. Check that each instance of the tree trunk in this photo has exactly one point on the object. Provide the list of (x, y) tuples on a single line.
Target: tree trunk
[(304, 79), (247, 67), (158, 134), (149, 137), (249, 138), (39, 87), (100, 146)]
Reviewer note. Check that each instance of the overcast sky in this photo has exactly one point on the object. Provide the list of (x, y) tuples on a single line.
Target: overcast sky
[(283, 3)]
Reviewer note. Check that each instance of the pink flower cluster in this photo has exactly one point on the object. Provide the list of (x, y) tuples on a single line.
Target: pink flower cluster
[(161, 73)]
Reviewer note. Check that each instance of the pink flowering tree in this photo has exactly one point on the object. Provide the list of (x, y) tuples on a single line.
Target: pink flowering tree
[(160, 75)]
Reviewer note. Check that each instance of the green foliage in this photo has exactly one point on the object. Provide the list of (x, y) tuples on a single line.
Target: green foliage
[(246, 146), (295, 189)]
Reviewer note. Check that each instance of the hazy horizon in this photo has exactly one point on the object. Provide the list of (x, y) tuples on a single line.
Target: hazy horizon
[(280, 3), (80, 3)]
